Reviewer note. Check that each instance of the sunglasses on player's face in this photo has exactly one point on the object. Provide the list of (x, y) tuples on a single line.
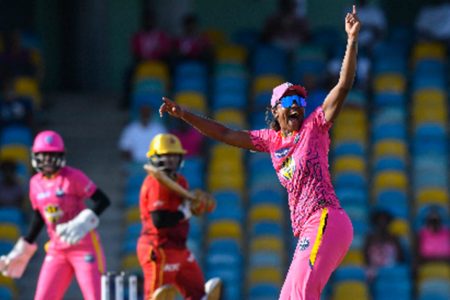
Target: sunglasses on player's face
[(288, 101)]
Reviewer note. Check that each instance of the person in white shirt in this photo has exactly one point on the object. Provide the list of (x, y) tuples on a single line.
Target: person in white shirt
[(136, 136)]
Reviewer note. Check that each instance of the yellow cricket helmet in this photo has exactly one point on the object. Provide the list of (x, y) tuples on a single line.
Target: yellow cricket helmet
[(165, 143)]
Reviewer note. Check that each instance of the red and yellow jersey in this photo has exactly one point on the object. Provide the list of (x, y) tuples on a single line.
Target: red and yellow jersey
[(156, 196)]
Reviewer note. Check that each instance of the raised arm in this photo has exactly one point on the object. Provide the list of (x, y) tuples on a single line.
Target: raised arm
[(208, 127), (334, 100)]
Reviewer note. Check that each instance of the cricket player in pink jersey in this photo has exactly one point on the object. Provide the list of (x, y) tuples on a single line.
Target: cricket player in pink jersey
[(299, 150), (58, 194)]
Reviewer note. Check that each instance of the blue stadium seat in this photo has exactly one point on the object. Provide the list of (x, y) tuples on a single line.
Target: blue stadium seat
[(350, 179), (348, 148), (16, 134), (265, 259), (263, 291), (352, 195), (6, 293), (389, 99), (394, 201), (12, 215), (266, 228), (190, 69), (357, 273), (269, 60), (229, 99), (389, 131), (389, 163), (434, 289)]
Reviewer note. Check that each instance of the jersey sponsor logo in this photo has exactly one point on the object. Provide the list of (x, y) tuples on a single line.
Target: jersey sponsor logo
[(89, 258), (288, 168), (191, 258), (172, 267), (281, 152), (303, 243), (53, 213), (59, 192), (158, 203), (43, 195)]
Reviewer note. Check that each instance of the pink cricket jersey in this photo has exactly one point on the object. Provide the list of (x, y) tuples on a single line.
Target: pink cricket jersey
[(59, 199), (301, 163)]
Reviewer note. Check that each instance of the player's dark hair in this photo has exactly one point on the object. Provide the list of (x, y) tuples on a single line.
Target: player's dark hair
[(271, 121)]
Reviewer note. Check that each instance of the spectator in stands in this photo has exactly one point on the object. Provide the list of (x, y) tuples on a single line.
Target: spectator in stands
[(190, 138), (433, 21), (286, 28), (192, 44), (434, 238), (14, 110), (374, 24), (149, 43), (15, 60), (381, 248), (12, 193), (299, 149), (136, 136)]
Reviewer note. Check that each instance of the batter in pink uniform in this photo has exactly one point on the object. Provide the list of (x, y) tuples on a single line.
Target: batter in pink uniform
[(299, 151), (58, 194)]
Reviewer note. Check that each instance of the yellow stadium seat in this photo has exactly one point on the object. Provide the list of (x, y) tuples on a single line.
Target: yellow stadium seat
[(390, 148), (267, 243), (349, 163), (226, 182), (429, 97), (429, 114), (19, 153), (233, 118), (434, 270), (10, 232), (427, 50), (351, 116), (130, 262), (390, 83), (231, 53), (347, 290), (225, 229), (432, 195), (133, 215), (226, 167), (265, 275), (28, 87), (354, 257), (217, 37), (350, 133), (192, 100), (265, 212), (223, 151), (400, 227), (390, 179), (266, 83), (150, 68)]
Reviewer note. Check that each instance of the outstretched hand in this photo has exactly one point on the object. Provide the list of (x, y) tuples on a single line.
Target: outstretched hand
[(170, 107), (352, 24)]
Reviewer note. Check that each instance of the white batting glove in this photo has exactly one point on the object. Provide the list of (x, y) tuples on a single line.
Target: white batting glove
[(13, 265), (73, 231), (185, 208)]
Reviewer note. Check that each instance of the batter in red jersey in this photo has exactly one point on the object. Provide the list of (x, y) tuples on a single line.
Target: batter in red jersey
[(164, 257), (58, 194)]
